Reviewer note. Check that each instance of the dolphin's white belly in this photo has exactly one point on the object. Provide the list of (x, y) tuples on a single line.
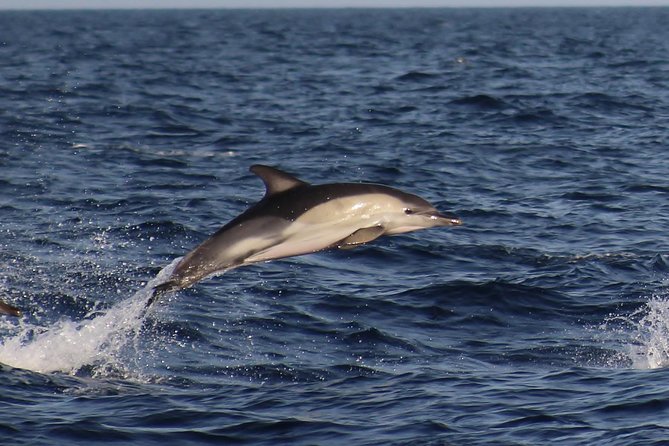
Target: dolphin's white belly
[(303, 239), (321, 227)]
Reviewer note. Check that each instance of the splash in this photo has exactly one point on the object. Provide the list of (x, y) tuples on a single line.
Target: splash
[(643, 335), (650, 338), (68, 346)]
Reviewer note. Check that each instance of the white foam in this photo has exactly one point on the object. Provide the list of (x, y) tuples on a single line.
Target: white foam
[(68, 346), (649, 345)]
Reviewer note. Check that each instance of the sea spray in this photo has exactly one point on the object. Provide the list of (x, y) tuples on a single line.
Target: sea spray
[(69, 346), (641, 337), (650, 338)]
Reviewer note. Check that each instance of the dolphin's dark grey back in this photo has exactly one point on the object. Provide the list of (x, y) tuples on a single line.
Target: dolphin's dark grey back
[(294, 202)]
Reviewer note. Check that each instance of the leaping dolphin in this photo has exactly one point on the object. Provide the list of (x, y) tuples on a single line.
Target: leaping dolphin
[(295, 218)]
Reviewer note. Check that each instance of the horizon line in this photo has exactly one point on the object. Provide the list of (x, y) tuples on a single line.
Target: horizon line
[(317, 7)]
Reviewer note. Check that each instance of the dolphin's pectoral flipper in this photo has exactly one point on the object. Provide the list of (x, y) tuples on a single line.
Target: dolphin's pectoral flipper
[(5, 308), (361, 236)]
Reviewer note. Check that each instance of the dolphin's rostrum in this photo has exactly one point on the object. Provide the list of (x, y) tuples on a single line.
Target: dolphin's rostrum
[(295, 218)]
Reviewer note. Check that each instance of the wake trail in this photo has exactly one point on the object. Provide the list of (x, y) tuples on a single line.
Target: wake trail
[(68, 346)]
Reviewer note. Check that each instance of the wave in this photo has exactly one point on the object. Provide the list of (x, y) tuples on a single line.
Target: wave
[(481, 102), (504, 297), (416, 76)]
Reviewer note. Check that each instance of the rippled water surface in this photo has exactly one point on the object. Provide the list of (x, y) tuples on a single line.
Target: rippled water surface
[(125, 140)]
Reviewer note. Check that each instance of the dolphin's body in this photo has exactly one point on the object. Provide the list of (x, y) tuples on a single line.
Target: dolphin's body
[(295, 218)]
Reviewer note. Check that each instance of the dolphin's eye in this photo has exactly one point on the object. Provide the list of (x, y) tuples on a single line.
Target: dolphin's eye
[(408, 211)]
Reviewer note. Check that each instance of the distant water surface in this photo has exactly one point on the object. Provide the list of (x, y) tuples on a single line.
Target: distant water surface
[(125, 140)]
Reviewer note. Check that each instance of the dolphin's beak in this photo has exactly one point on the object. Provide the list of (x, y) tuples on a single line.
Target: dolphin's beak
[(445, 219)]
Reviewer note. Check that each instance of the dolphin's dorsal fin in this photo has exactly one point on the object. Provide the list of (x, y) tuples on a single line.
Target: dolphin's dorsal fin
[(275, 180)]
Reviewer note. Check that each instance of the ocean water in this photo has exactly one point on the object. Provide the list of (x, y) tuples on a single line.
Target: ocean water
[(126, 138)]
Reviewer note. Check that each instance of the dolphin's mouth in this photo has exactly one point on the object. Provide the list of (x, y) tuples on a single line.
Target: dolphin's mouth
[(445, 219)]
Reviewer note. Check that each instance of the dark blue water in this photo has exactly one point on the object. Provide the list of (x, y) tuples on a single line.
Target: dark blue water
[(125, 140)]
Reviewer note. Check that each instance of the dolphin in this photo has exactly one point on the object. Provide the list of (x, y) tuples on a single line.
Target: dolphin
[(5, 308), (296, 218)]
